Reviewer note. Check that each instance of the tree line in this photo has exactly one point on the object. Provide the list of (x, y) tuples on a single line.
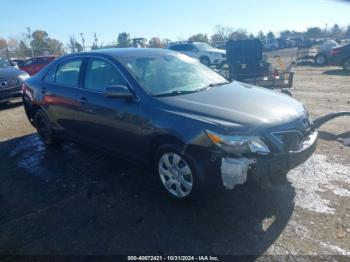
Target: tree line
[(39, 42)]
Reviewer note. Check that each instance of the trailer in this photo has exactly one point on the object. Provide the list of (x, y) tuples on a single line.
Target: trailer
[(245, 63)]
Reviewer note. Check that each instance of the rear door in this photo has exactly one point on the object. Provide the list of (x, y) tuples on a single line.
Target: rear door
[(112, 123), (59, 88)]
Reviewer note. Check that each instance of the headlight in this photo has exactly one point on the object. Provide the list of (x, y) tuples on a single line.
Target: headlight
[(239, 144), (23, 77)]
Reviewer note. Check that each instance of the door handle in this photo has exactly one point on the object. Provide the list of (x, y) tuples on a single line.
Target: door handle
[(83, 100), (43, 90)]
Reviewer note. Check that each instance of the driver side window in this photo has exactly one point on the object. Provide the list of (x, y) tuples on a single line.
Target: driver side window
[(100, 74), (29, 62)]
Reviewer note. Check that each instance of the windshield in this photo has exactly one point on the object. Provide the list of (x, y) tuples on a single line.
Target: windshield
[(171, 74), (4, 63), (203, 46)]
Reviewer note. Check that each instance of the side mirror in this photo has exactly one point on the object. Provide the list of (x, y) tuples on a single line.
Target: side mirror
[(118, 91)]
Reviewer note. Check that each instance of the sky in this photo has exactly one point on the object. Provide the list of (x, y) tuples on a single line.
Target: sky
[(173, 19)]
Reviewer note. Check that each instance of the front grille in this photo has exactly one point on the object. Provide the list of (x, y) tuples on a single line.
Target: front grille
[(9, 83), (291, 140)]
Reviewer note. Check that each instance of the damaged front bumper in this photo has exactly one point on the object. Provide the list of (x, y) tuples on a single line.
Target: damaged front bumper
[(236, 171)]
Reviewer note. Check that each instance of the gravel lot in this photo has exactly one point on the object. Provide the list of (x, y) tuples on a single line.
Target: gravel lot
[(75, 200)]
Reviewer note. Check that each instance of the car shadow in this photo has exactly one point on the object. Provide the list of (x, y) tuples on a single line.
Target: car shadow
[(74, 200), (11, 104), (334, 137), (306, 63), (336, 72)]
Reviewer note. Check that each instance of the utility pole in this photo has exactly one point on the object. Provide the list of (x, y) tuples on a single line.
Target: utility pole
[(30, 40), (96, 40), (7, 51), (83, 40)]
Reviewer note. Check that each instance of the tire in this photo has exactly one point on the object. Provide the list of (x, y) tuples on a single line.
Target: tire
[(205, 60), (321, 60), (176, 172), (43, 127), (346, 65)]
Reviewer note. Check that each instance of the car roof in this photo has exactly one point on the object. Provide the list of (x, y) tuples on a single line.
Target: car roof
[(128, 52)]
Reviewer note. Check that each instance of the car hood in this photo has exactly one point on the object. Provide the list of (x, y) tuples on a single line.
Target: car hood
[(215, 50), (10, 72), (238, 103)]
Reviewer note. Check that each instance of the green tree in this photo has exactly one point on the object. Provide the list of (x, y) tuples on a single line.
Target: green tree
[(261, 36), (286, 34), (41, 43), (55, 46), (239, 34), (314, 32), (124, 40), (270, 35), (336, 31), (199, 38)]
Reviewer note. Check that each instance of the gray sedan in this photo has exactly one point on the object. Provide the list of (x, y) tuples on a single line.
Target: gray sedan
[(11, 79)]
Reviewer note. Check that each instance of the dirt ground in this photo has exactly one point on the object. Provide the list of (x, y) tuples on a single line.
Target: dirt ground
[(74, 200)]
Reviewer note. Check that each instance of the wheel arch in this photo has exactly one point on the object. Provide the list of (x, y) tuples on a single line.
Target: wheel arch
[(162, 139), (204, 57), (30, 110)]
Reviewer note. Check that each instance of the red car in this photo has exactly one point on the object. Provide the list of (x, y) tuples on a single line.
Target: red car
[(35, 64)]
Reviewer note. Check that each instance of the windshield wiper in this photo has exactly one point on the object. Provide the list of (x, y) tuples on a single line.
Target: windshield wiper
[(217, 84), (183, 92), (176, 92)]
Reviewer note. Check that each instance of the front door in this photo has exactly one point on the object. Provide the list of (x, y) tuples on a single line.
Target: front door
[(112, 123)]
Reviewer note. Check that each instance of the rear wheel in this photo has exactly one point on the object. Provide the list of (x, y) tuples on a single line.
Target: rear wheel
[(346, 65), (43, 127), (320, 60), (205, 61), (176, 172)]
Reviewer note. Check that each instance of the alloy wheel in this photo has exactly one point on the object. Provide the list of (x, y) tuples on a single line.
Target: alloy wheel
[(320, 60), (175, 174)]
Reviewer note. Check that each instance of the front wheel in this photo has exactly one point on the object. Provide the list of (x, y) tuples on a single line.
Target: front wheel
[(346, 65), (176, 172), (320, 59), (205, 61), (43, 127)]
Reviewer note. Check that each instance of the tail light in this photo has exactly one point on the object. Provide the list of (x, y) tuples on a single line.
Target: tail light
[(335, 51), (275, 74)]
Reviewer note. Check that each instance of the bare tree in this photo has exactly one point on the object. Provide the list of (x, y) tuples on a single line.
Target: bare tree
[(223, 32), (155, 42), (72, 44)]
